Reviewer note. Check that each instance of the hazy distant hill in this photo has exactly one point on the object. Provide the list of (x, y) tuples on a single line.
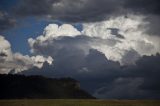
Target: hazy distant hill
[(20, 86)]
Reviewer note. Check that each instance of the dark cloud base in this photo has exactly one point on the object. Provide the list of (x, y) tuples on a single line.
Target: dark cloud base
[(107, 79), (88, 10), (6, 21)]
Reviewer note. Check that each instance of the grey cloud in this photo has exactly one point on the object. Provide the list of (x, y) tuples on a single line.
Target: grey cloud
[(115, 31), (86, 10), (130, 57), (30, 7), (69, 10), (143, 6), (105, 78), (121, 88), (6, 22), (2, 54), (91, 10), (153, 27), (138, 81), (71, 44)]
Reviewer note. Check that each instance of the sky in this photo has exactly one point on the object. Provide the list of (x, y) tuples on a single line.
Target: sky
[(111, 46)]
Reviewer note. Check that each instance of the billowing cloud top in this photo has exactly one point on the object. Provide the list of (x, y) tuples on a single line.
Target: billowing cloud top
[(120, 39), (16, 61)]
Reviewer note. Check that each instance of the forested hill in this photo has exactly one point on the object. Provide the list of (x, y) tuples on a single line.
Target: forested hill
[(38, 87)]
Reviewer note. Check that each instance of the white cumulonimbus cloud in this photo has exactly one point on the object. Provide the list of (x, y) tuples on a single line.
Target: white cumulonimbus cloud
[(120, 38), (132, 28), (16, 61)]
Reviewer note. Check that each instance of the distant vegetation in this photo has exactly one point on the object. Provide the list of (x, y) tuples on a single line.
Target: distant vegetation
[(38, 87), (79, 102)]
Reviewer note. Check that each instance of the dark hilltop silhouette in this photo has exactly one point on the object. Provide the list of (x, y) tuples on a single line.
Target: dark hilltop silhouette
[(38, 87)]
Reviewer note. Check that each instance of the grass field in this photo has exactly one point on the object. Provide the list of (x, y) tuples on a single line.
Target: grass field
[(70, 102)]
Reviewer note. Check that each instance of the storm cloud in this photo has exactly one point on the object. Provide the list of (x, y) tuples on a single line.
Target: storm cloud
[(6, 22), (83, 11), (106, 73), (139, 81), (86, 10), (91, 10), (96, 35), (68, 10), (107, 79)]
